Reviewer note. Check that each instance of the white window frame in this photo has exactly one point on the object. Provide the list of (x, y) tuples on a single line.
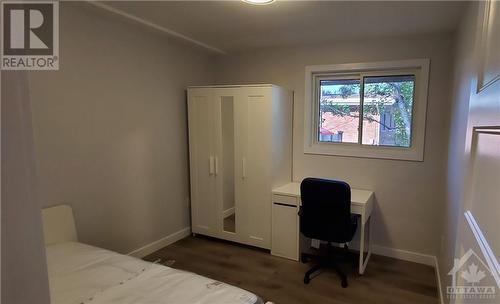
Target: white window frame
[(418, 67)]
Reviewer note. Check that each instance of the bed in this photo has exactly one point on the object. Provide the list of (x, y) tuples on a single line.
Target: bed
[(81, 274)]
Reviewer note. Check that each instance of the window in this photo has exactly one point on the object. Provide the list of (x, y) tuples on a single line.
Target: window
[(339, 108), (390, 97), (367, 110), (386, 109)]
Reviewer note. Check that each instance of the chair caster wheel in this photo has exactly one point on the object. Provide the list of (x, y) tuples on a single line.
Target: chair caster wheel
[(307, 280), (343, 284)]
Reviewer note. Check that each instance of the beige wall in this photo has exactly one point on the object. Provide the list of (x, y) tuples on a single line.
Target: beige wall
[(464, 70), (473, 172), (24, 272), (111, 128), (409, 194)]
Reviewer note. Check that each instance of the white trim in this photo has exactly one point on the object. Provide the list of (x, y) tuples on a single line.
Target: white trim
[(400, 254), (155, 26), (485, 27), (404, 255), (228, 212), (488, 254), (159, 244), (414, 153), (438, 280)]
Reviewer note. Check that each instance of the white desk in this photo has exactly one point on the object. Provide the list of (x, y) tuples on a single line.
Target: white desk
[(285, 238)]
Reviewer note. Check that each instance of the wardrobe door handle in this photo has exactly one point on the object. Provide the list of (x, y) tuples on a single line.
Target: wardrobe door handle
[(243, 168), (211, 165), (216, 166)]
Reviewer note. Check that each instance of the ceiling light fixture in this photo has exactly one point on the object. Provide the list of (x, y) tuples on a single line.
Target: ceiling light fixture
[(259, 2)]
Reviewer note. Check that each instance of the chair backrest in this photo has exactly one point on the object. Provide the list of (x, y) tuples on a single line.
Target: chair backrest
[(326, 209)]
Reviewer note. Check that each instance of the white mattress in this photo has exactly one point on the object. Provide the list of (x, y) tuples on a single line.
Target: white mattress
[(80, 274)]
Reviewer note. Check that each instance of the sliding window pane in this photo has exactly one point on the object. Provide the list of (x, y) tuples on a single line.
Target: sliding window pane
[(387, 110), (339, 107)]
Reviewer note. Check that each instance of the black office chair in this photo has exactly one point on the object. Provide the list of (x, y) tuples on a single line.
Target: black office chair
[(325, 215)]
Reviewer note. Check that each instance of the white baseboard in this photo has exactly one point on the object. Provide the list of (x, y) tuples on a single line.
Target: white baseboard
[(165, 241), (438, 280), (228, 212), (399, 254), (405, 255)]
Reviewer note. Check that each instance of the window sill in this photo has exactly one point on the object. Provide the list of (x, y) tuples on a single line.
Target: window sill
[(355, 150)]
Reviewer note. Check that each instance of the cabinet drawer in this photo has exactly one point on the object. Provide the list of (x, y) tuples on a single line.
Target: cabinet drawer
[(285, 200), (285, 234)]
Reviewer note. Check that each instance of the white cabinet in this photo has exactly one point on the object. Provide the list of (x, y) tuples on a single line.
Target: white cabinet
[(240, 141), (285, 227)]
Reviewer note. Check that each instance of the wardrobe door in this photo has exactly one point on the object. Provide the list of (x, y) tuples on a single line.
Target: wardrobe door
[(201, 112), (227, 208), (254, 157)]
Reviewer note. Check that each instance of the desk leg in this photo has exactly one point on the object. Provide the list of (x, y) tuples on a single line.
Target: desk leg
[(362, 260), (361, 245)]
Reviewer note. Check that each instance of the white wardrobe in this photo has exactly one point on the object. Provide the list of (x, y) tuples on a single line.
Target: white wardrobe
[(240, 147)]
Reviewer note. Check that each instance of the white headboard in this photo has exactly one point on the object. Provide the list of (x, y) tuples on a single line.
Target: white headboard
[(59, 225)]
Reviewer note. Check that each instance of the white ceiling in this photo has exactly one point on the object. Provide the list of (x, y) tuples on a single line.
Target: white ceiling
[(233, 26)]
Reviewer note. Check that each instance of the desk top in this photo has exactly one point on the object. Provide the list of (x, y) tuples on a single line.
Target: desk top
[(358, 197)]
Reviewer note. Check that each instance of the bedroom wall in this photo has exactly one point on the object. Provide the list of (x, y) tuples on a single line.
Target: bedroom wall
[(24, 271), (111, 128), (473, 172), (409, 195), (464, 71)]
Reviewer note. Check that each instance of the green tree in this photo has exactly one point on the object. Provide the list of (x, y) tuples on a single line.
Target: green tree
[(402, 94), (377, 97)]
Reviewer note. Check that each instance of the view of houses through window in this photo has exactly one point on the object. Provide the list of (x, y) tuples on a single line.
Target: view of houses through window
[(385, 105)]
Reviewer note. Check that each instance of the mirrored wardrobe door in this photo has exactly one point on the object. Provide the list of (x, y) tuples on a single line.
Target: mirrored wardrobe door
[(229, 216)]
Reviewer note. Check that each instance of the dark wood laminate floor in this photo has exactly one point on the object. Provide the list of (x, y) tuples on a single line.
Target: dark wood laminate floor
[(386, 280)]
